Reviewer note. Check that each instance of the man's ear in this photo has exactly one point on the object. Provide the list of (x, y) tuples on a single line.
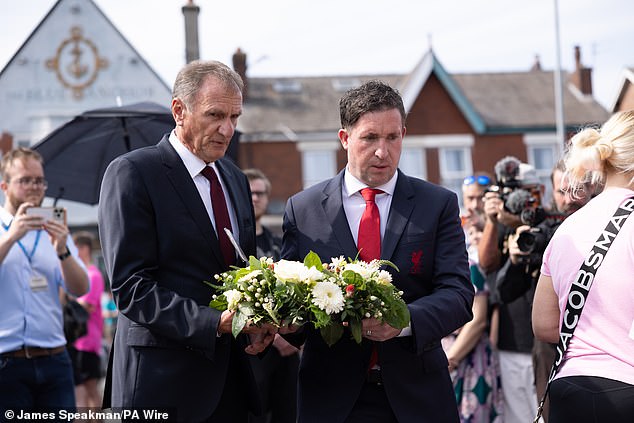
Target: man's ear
[(178, 111), (343, 137)]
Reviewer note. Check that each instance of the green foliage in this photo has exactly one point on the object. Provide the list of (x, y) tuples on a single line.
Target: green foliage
[(329, 296)]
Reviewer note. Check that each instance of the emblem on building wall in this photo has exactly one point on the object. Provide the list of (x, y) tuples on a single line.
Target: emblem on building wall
[(77, 62)]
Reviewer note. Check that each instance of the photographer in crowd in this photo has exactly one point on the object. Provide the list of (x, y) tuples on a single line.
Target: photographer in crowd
[(518, 275), (515, 336), (37, 259)]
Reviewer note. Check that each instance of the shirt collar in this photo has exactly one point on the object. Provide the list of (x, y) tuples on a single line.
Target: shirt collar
[(193, 163), (5, 217), (352, 185)]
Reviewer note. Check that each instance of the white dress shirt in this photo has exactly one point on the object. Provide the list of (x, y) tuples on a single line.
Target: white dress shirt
[(194, 166)]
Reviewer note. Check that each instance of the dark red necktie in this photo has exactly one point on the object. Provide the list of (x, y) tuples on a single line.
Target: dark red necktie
[(221, 215), (369, 242), (369, 237)]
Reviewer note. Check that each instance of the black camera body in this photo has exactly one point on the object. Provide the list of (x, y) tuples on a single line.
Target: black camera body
[(534, 240)]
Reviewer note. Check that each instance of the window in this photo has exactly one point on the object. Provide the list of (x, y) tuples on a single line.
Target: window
[(412, 162), (319, 161), (455, 164), (543, 152)]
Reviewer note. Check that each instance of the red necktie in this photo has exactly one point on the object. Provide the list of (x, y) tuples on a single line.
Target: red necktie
[(369, 242), (369, 237), (221, 215)]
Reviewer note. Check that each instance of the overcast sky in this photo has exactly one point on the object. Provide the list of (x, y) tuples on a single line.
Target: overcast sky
[(338, 37)]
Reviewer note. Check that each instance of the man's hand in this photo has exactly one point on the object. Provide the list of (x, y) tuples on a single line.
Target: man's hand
[(515, 253), (374, 330), (493, 204), (260, 337), (283, 346), (22, 223), (58, 234)]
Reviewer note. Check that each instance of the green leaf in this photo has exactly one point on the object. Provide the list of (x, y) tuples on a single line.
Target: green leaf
[(355, 328), (388, 263), (238, 323), (254, 263), (313, 260), (331, 333), (220, 303)]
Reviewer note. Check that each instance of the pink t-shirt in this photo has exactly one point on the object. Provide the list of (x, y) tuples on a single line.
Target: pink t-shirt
[(603, 342), (91, 342)]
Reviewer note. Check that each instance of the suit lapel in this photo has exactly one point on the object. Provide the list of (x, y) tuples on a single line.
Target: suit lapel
[(335, 216), (186, 190), (400, 212)]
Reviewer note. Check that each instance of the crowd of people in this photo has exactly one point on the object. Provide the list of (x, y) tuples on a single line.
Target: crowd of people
[(488, 282)]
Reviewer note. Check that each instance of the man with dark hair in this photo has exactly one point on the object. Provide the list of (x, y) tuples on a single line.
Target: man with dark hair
[(163, 212), (37, 259), (374, 211), (276, 371)]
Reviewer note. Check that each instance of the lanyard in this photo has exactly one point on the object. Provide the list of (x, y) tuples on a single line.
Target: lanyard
[(30, 255)]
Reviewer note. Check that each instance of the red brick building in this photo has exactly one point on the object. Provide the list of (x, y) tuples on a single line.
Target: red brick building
[(457, 123)]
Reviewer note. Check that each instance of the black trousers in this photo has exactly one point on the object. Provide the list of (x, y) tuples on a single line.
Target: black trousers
[(591, 399)]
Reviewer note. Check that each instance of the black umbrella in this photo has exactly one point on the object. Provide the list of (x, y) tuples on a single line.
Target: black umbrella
[(76, 154)]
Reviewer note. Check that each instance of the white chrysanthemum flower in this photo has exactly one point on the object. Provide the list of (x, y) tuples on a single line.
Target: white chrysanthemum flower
[(328, 296), (360, 268), (384, 277), (233, 297), (337, 262)]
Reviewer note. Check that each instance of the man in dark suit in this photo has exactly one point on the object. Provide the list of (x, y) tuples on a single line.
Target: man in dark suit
[(419, 232), (161, 219)]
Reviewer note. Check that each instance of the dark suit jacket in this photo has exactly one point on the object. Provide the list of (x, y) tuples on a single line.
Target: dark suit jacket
[(424, 239), (159, 246)]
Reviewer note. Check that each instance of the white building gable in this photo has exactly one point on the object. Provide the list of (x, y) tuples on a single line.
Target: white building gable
[(75, 60)]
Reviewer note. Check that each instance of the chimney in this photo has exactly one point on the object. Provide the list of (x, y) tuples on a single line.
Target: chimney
[(6, 142), (190, 11), (582, 76), (240, 66)]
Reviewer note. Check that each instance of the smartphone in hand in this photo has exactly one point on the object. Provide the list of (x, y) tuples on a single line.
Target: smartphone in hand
[(56, 214)]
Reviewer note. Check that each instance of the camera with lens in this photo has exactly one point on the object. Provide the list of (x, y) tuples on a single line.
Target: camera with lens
[(519, 188), (527, 205)]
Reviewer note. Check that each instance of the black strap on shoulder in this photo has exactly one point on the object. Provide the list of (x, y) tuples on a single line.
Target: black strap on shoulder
[(581, 286)]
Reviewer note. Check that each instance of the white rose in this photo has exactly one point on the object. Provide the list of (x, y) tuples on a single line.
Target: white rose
[(233, 297), (289, 270)]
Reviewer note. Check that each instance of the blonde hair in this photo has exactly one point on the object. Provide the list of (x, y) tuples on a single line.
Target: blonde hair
[(593, 153)]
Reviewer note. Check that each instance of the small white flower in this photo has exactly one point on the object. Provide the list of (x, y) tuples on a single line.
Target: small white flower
[(372, 298), (337, 262), (368, 315), (384, 277), (233, 297), (257, 304), (360, 268), (328, 296), (259, 290), (249, 277)]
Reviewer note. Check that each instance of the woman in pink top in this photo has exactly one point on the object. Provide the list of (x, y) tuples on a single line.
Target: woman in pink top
[(86, 351), (595, 382)]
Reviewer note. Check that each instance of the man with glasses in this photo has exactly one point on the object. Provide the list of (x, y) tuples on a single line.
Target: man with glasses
[(276, 371), (473, 188), (37, 259)]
